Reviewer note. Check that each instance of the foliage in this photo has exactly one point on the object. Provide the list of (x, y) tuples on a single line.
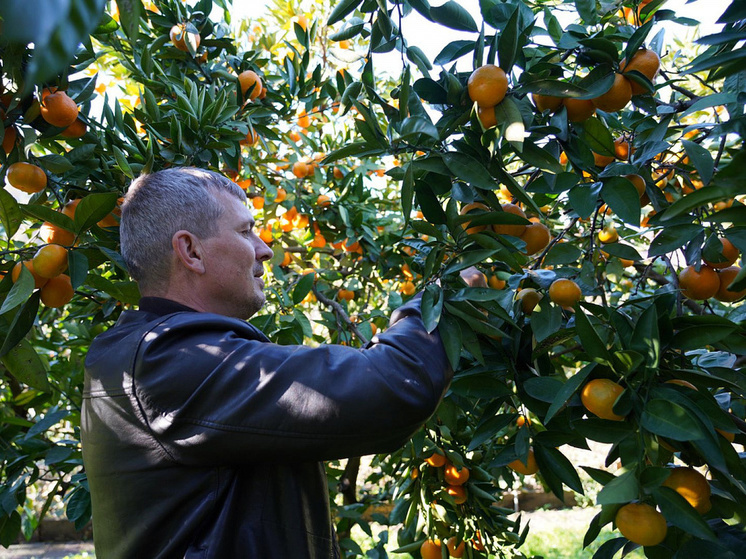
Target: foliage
[(399, 159)]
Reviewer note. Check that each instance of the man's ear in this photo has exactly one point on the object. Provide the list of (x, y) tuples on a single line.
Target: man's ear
[(188, 251)]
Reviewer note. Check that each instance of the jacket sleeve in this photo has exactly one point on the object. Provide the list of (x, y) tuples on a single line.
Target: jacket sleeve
[(210, 392)]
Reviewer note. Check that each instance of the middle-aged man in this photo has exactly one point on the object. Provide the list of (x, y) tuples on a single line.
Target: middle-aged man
[(200, 437)]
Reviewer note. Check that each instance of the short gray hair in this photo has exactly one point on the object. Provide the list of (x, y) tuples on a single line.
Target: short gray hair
[(156, 206)]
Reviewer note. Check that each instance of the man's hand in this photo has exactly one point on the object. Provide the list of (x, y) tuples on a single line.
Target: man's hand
[(473, 277)]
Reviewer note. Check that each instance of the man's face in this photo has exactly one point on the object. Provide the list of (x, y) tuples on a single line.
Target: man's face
[(233, 262)]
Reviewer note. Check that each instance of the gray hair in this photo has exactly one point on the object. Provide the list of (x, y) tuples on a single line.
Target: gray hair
[(158, 205)]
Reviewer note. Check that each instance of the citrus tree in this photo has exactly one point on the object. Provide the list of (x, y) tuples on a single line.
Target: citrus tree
[(586, 165)]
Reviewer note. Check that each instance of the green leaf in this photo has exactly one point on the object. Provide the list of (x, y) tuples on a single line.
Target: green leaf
[(450, 333), (469, 170), (55, 28), (622, 489), (508, 45), (673, 237), (670, 420), (637, 39), (432, 306), (546, 319), (697, 337), (556, 469), (466, 259), (701, 159), (342, 10), (55, 164), (587, 10), (540, 158), (584, 197), (623, 199), (508, 117), (646, 337), (679, 512), (598, 137), (620, 250), (453, 51), (21, 324), (592, 343), (487, 430), (10, 213), (563, 253), (567, 391), (93, 208), (302, 288), (25, 365), (416, 55), (453, 15), (20, 292), (129, 14)]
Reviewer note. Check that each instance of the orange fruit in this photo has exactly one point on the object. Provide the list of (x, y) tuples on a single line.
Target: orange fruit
[(602, 160), (57, 292), (302, 21), (565, 292), (487, 85), (622, 149), (546, 102), (468, 208), (345, 295), (294, 136), (644, 61), (691, 485), (280, 196), (338, 174), (617, 97), (598, 397), (528, 468), (286, 259), (457, 492), (16, 272), (536, 236), (641, 524), (407, 288), (725, 278), (455, 549), (522, 420), (529, 298), (318, 241), (76, 130), (699, 285), (304, 121), (301, 169), (730, 437), (608, 235), (251, 139), (486, 116), (9, 139), (251, 84), (69, 208), (265, 234), (430, 549), (323, 201), (58, 109), (258, 202), (456, 476), (50, 261), (514, 230), (52, 234), (179, 37), (729, 252), (496, 283), (26, 177), (579, 110), (638, 182), (436, 460)]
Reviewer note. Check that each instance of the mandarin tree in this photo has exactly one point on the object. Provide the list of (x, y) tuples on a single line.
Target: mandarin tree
[(379, 184)]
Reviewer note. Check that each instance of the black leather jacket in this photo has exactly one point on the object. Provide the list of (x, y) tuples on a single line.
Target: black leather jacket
[(202, 439)]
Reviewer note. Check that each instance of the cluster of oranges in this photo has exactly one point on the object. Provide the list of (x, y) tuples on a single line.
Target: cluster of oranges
[(713, 278), (644, 61), (535, 234)]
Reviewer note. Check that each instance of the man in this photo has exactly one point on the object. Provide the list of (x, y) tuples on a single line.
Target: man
[(200, 437)]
